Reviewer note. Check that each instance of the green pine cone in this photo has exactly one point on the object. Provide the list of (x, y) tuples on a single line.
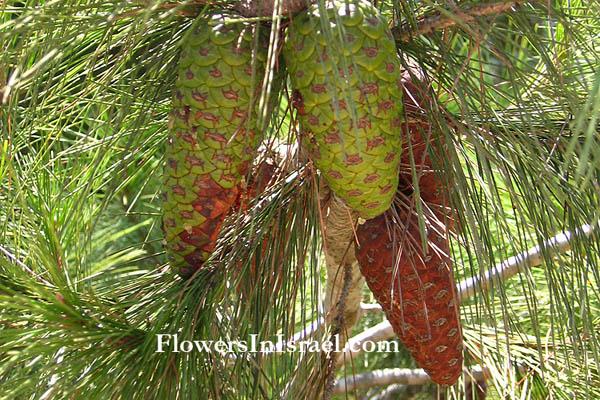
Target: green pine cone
[(213, 134), (346, 80)]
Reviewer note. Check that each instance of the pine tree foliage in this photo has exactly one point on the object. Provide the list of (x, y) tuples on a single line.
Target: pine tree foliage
[(85, 288)]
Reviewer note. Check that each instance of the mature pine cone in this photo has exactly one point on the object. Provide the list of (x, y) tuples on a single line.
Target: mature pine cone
[(415, 288)]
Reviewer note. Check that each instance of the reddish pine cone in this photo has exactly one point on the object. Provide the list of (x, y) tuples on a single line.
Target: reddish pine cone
[(420, 300), (418, 129)]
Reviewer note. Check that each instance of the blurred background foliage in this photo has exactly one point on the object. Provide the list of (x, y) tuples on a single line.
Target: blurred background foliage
[(85, 90)]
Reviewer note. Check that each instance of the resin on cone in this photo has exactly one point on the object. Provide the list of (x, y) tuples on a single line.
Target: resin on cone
[(213, 134), (346, 80)]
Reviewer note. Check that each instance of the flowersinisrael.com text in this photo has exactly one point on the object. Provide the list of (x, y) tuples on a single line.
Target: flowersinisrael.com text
[(172, 343)]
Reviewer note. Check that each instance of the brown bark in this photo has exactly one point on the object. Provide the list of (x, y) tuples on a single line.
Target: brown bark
[(344, 281), (340, 258)]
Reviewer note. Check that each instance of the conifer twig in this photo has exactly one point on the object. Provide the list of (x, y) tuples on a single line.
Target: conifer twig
[(339, 327), (403, 376), (24, 267), (438, 22)]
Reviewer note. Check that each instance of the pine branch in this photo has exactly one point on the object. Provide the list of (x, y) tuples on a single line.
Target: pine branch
[(339, 255), (377, 333), (467, 288), (266, 8), (438, 22), (24, 267), (344, 284), (531, 258), (391, 392), (388, 376), (314, 327), (367, 308)]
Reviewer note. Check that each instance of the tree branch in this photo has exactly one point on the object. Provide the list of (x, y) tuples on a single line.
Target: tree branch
[(467, 288), (367, 308), (343, 293), (439, 22), (24, 267), (391, 392), (345, 282), (339, 256), (388, 376)]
